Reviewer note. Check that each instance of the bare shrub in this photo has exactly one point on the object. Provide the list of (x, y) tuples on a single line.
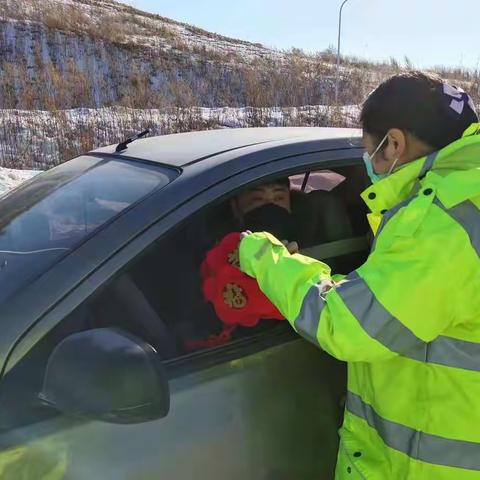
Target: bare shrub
[(182, 93), (110, 29), (41, 140), (70, 18)]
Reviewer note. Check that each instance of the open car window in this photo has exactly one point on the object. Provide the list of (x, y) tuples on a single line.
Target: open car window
[(51, 215), (330, 224)]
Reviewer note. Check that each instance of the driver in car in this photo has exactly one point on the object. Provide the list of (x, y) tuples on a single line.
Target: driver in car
[(267, 207)]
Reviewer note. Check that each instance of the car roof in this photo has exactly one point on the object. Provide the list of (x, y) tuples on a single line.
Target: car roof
[(179, 150)]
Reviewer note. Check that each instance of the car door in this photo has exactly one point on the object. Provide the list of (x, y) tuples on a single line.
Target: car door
[(266, 406), (271, 414)]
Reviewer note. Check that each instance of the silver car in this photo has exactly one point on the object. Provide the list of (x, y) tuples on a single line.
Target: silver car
[(99, 296)]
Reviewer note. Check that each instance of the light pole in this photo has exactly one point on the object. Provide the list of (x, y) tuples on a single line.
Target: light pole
[(337, 80)]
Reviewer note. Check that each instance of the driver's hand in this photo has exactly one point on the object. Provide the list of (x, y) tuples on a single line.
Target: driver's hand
[(292, 247), (244, 234)]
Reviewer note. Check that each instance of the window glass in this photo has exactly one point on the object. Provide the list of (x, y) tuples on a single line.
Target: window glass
[(319, 180), (57, 210)]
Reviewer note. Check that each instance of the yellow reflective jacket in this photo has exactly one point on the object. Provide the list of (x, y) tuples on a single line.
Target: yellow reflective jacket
[(407, 321), (44, 459)]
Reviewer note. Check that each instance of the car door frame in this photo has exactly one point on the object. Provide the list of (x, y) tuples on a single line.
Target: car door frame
[(43, 323)]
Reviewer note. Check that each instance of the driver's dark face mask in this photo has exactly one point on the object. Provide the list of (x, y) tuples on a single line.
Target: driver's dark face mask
[(272, 219)]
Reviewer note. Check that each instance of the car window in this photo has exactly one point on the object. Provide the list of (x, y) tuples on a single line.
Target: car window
[(54, 213), (170, 277)]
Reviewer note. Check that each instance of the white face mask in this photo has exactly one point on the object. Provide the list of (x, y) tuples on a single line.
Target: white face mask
[(368, 160)]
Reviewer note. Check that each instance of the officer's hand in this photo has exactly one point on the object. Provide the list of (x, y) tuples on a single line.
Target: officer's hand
[(292, 247)]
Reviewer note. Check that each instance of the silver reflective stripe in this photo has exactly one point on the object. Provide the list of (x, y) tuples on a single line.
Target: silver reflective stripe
[(375, 319), (427, 165), (468, 216), (263, 249), (452, 352), (308, 319), (418, 445)]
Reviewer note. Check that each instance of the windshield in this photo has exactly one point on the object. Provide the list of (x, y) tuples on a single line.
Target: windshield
[(51, 215)]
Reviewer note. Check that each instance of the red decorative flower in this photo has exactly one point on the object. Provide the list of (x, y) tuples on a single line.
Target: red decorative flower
[(225, 253), (236, 297)]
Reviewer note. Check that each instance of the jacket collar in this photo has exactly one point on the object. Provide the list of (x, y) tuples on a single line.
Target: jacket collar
[(454, 171), (393, 189)]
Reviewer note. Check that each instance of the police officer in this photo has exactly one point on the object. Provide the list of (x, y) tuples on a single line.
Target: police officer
[(408, 320)]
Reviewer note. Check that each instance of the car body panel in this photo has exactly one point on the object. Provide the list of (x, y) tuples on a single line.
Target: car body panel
[(183, 149), (272, 415)]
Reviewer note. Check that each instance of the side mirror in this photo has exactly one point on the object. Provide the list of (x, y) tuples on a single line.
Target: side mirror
[(109, 375)]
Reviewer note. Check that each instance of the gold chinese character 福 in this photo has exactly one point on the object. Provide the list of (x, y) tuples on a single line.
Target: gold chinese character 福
[(234, 258), (234, 296)]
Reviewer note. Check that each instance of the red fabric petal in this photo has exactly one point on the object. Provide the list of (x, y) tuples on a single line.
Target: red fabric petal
[(236, 297), (223, 338), (226, 252)]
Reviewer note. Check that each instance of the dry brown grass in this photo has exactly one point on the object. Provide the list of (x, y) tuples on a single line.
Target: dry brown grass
[(68, 18), (41, 140)]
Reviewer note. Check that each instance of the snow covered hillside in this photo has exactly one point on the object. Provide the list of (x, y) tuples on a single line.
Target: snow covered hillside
[(129, 26), (58, 54)]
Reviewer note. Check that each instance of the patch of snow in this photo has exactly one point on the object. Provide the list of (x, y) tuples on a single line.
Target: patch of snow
[(10, 178)]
